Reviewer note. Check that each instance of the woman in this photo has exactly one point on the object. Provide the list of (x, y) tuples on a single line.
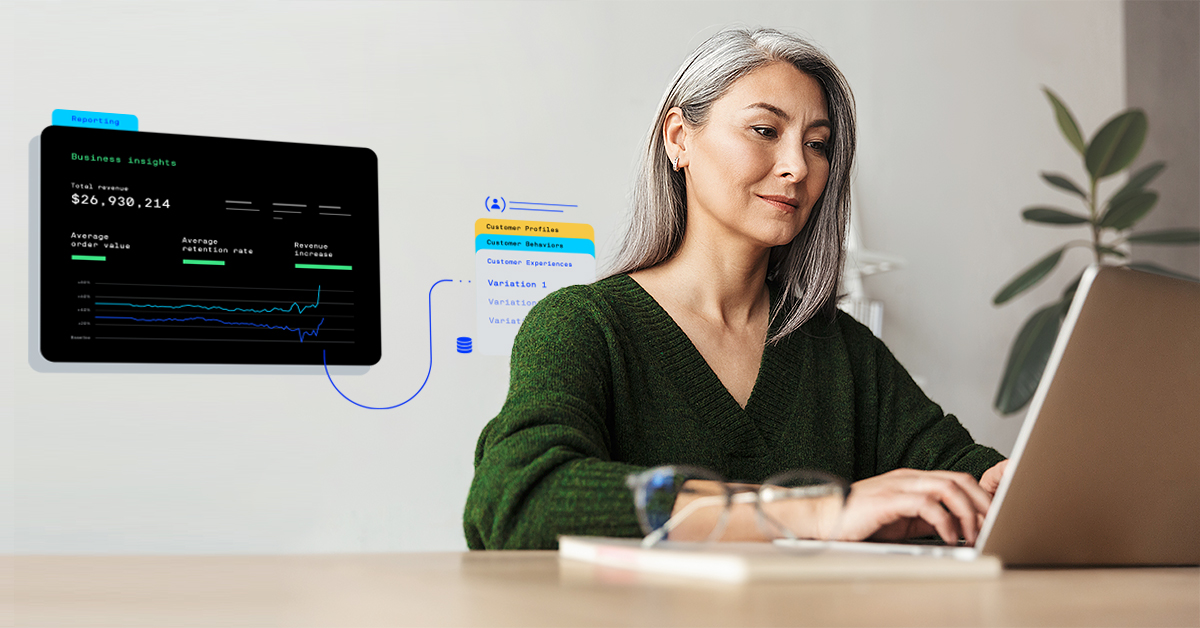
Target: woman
[(716, 341)]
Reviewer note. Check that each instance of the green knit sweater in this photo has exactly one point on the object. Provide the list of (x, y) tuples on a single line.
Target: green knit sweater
[(604, 384)]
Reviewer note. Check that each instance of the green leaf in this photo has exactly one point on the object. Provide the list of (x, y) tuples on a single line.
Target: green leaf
[(1117, 144), (1111, 251), (1159, 270), (1066, 122), (1061, 182), (1137, 182), (1027, 359), (1053, 216), (1125, 214), (1167, 236), (1028, 278)]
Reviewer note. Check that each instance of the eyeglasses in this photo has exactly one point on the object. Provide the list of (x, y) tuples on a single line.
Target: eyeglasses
[(794, 504)]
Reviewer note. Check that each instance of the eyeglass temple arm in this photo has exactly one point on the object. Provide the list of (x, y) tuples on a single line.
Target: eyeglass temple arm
[(694, 505)]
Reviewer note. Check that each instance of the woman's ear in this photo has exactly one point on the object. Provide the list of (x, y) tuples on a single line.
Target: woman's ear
[(675, 137)]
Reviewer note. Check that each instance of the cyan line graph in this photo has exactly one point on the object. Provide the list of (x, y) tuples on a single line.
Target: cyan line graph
[(295, 305), (302, 332)]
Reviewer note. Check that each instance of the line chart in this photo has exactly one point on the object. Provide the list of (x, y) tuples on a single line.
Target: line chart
[(295, 305), (301, 332), (211, 312)]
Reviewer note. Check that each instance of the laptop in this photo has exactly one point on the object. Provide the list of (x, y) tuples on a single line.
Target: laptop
[(1106, 468)]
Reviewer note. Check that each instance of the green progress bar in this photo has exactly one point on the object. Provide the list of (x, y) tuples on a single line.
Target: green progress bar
[(89, 258), (324, 267), (205, 262)]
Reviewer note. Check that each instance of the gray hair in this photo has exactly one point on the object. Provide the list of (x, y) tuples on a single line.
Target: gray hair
[(807, 270)]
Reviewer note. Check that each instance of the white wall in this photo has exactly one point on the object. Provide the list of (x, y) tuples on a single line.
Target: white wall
[(463, 101), (955, 131), (1162, 77), (12, 333)]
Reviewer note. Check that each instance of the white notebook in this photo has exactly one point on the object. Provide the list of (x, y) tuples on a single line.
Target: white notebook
[(742, 562)]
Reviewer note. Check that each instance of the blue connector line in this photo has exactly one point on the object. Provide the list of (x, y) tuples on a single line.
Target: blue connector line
[(296, 306), (217, 320), (339, 391)]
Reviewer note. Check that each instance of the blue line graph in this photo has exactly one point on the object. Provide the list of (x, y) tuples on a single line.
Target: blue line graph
[(302, 332), (414, 395), (296, 306)]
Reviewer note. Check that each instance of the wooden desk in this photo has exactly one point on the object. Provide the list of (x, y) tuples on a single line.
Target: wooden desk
[(534, 589)]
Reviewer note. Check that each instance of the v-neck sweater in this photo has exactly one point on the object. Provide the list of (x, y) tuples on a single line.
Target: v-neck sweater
[(604, 383)]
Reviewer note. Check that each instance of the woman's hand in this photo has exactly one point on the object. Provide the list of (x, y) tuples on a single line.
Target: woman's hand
[(907, 503), (990, 481)]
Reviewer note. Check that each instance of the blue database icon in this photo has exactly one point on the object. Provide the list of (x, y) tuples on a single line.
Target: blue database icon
[(464, 344)]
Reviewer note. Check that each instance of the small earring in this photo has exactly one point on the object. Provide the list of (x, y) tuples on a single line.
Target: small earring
[(675, 163)]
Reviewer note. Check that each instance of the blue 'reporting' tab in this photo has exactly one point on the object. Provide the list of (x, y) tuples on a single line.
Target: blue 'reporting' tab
[(94, 120)]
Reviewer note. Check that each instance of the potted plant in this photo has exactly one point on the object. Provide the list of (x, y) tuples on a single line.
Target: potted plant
[(1111, 150)]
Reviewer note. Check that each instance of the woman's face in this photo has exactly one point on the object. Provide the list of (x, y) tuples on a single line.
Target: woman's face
[(757, 167)]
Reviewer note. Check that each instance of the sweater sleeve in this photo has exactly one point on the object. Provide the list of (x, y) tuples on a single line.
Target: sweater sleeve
[(913, 431), (542, 466)]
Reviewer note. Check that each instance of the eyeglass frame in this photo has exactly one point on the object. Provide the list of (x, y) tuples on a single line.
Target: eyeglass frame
[(638, 483)]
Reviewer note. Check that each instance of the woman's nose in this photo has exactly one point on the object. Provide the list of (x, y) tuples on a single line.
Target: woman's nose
[(791, 163)]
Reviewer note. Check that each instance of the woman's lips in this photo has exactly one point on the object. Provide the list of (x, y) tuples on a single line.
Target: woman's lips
[(781, 203)]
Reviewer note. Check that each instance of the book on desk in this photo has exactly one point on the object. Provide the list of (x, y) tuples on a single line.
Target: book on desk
[(742, 562)]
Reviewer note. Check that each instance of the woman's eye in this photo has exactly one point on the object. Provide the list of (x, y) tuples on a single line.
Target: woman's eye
[(764, 131), (818, 145)]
